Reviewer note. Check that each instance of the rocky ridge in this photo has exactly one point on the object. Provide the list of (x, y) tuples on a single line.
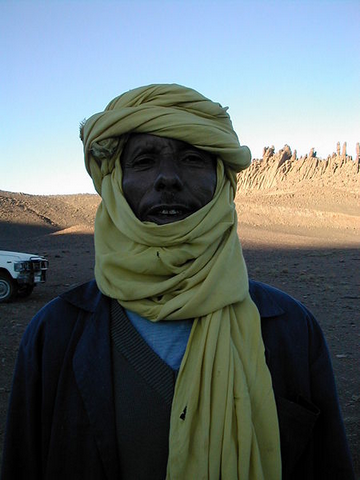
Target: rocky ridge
[(284, 169), (53, 212)]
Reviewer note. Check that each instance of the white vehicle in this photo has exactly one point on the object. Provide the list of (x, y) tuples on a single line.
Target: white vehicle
[(19, 273)]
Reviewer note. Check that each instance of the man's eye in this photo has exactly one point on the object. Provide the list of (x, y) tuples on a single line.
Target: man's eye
[(193, 159), (142, 162)]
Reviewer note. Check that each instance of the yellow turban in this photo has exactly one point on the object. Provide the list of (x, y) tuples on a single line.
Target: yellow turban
[(193, 268), (171, 111)]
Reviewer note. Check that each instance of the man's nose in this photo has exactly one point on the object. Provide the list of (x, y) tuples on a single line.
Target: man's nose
[(168, 177)]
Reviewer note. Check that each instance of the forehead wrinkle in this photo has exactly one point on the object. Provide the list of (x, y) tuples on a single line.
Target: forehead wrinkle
[(148, 143), (142, 145)]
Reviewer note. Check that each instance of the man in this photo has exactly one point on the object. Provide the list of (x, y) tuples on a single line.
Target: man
[(171, 365)]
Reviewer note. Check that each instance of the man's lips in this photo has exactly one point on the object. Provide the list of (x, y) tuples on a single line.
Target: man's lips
[(167, 212)]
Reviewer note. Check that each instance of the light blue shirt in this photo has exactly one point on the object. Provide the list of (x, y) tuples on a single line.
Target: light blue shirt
[(168, 339)]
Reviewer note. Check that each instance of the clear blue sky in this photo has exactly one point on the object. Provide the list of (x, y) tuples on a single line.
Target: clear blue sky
[(288, 70)]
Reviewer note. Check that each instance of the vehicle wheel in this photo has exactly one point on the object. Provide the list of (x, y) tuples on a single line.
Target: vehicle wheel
[(25, 290), (7, 287)]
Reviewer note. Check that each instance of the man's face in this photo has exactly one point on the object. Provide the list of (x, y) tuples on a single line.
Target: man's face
[(166, 180)]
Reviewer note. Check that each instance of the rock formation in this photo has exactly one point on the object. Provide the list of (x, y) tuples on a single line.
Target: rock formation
[(283, 169), (338, 149), (312, 153), (343, 154)]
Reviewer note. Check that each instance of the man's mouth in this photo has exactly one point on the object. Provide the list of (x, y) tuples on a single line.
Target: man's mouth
[(167, 213), (173, 211)]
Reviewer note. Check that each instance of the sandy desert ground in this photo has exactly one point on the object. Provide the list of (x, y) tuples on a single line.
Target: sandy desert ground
[(299, 234)]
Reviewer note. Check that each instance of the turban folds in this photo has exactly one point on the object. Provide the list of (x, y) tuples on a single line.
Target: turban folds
[(170, 111), (193, 268)]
